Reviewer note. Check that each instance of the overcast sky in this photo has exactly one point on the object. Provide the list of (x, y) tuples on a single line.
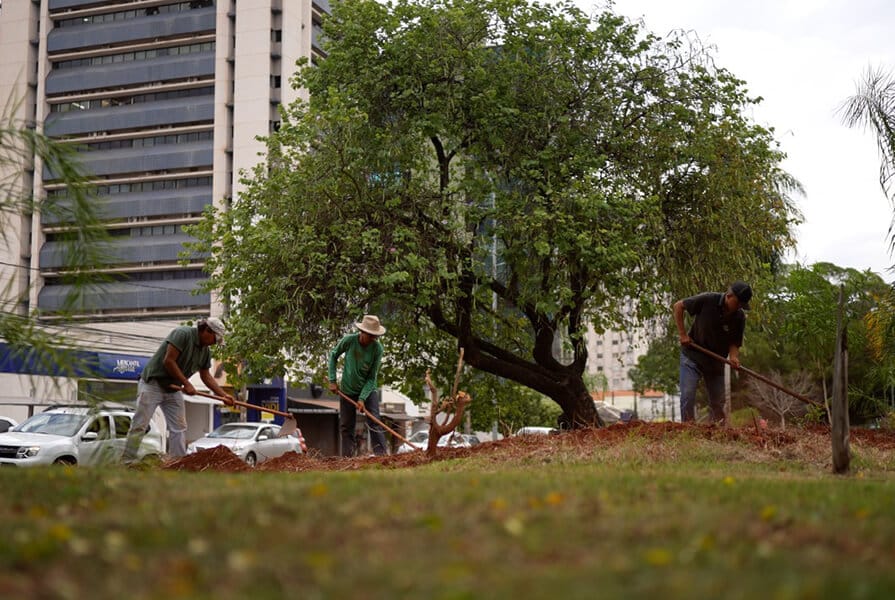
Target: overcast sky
[(804, 58)]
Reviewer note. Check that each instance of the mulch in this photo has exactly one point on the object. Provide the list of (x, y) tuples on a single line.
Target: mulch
[(520, 447)]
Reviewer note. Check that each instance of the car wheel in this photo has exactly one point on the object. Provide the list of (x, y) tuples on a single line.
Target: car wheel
[(251, 459), (65, 460)]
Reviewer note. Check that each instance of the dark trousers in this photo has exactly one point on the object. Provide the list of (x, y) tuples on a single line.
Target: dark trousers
[(714, 386), (348, 423)]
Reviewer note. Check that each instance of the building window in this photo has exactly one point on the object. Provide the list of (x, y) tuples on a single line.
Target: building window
[(135, 99), (126, 15), (134, 56)]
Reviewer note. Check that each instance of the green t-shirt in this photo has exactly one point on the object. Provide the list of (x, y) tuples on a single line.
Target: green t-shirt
[(193, 357), (361, 366)]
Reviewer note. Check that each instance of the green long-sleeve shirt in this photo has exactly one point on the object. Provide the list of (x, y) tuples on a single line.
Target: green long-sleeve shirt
[(361, 368)]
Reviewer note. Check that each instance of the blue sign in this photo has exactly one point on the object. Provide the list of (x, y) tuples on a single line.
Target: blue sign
[(81, 363), (121, 366)]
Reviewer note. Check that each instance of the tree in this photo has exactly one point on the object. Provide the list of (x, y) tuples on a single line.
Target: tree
[(495, 175), (763, 396), (508, 404), (873, 107), (659, 368), (794, 328), (22, 147)]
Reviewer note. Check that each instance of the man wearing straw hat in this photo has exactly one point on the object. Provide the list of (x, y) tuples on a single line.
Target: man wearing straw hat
[(363, 356)]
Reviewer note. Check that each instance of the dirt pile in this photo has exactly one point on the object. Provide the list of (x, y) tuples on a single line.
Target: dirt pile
[(218, 458), (812, 442)]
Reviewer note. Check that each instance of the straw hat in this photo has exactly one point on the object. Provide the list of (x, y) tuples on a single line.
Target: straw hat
[(370, 324)]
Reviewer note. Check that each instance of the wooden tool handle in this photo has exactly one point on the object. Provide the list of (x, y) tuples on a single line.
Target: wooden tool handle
[(377, 421), (238, 403), (758, 376)]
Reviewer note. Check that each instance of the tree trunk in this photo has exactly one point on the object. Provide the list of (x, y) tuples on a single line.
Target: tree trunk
[(839, 424), (564, 384), (578, 408)]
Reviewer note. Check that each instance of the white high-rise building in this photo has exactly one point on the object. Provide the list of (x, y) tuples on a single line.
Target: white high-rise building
[(166, 98), (610, 357)]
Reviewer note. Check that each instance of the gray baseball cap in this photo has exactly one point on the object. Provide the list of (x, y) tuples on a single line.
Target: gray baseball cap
[(217, 326)]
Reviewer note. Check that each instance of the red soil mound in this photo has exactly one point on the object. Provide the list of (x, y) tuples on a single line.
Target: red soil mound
[(519, 447), (218, 458)]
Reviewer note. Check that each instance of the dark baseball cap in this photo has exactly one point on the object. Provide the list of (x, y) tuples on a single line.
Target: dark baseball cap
[(743, 292)]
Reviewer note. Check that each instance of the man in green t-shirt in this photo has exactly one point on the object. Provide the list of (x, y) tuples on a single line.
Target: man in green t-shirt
[(184, 351), (363, 356)]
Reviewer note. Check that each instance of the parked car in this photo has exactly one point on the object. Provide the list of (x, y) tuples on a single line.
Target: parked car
[(6, 424), (253, 442), (536, 431), (74, 435), (471, 439), (421, 440), (610, 414)]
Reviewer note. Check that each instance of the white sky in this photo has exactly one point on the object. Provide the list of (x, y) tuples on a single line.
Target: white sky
[(804, 58)]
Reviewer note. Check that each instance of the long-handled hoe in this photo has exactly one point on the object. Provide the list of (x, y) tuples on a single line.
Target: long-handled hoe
[(290, 425), (360, 409), (758, 376)]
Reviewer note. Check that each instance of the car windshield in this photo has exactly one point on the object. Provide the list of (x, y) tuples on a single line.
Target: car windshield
[(419, 437), (234, 431), (66, 424)]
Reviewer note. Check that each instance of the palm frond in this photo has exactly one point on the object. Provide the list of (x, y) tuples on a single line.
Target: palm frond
[(873, 108)]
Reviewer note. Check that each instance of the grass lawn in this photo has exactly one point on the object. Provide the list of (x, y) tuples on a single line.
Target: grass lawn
[(566, 516)]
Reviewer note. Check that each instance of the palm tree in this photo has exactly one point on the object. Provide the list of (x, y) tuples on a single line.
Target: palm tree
[(873, 107)]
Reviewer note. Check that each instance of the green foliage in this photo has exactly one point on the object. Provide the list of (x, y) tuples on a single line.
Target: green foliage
[(888, 421), (744, 417), (794, 327), (659, 368), (509, 404), (496, 176), (873, 107), (815, 415)]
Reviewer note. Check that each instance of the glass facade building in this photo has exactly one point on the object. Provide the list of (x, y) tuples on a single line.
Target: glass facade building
[(165, 100)]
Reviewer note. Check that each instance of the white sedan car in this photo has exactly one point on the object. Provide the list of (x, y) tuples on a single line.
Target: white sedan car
[(420, 439), (252, 442)]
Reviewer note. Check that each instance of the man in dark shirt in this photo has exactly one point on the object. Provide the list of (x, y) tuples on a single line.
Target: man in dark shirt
[(184, 351), (718, 324)]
